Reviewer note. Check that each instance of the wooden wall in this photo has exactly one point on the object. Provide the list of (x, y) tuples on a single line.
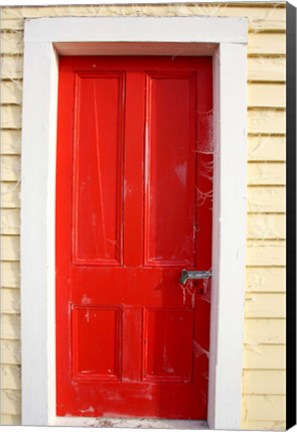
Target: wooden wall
[(263, 400)]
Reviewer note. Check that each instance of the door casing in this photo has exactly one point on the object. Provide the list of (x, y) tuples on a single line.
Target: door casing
[(45, 38)]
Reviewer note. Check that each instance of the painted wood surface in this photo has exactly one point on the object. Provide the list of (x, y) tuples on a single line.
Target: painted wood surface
[(267, 147), (10, 274), (260, 68), (264, 331), (263, 382), (10, 221), (265, 279), (269, 226), (122, 239), (266, 202)]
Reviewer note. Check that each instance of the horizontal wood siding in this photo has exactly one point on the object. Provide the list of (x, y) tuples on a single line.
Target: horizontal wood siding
[(272, 407), (262, 226), (265, 253), (261, 305), (10, 376), (264, 356), (267, 69), (264, 382), (266, 199), (10, 419), (10, 142), (10, 344), (10, 221), (266, 148), (264, 336), (265, 279), (263, 425), (264, 331), (260, 95), (264, 173), (10, 195)]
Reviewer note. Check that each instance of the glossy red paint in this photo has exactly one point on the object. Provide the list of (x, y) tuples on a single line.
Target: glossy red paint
[(134, 172)]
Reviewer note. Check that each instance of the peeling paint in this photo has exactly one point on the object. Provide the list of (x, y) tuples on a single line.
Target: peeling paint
[(181, 172), (86, 300), (199, 351), (88, 410)]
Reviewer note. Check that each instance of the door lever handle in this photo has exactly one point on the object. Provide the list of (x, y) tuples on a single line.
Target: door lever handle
[(193, 274)]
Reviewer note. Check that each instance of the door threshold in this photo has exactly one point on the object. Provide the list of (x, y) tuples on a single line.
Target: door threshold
[(132, 423)]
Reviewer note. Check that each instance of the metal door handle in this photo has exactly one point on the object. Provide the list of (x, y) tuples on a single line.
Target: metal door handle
[(193, 274)]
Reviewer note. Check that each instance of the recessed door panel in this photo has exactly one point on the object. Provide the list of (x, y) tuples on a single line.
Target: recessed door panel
[(170, 169), (98, 168), (96, 343), (166, 334)]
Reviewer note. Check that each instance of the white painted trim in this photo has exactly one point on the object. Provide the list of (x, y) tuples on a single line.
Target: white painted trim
[(229, 237), (42, 38), (38, 229), (138, 29)]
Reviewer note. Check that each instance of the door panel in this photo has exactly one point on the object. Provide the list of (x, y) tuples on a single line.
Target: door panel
[(134, 181), (96, 343), (98, 180), (170, 166), (166, 334)]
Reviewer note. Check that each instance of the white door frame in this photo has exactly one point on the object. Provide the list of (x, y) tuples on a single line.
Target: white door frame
[(45, 38)]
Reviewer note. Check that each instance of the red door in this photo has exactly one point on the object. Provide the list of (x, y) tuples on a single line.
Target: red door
[(134, 175)]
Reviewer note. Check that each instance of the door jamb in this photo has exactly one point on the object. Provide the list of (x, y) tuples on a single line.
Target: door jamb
[(45, 38)]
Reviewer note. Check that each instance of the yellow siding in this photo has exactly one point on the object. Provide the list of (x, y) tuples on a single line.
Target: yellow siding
[(264, 173), (10, 329), (271, 407), (10, 301), (264, 334), (263, 43), (270, 226), (10, 194), (10, 221), (11, 92), (265, 253), (267, 17), (266, 148), (10, 376), (264, 356), (11, 67), (264, 331), (10, 274), (8, 419), (10, 141), (262, 95), (265, 279), (266, 69), (10, 401), (11, 117), (12, 42), (264, 382), (269, 199), (10, 248), (10, 167), (263, 425), (266, 121), (263, 305)]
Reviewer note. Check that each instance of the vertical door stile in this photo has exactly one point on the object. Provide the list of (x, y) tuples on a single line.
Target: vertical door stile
[(133, 215), (204, 166), (133, 171)]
